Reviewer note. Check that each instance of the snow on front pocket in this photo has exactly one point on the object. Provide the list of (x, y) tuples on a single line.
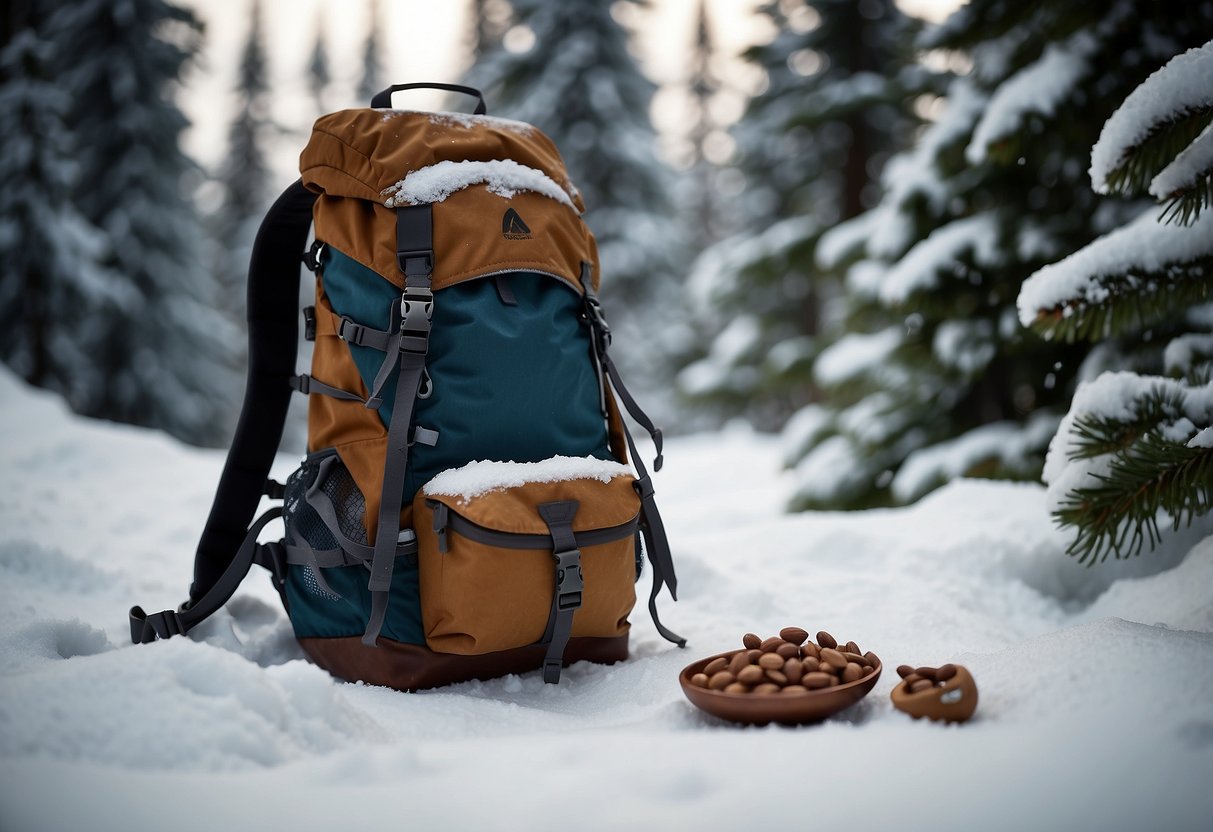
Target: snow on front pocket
[(488, 564)]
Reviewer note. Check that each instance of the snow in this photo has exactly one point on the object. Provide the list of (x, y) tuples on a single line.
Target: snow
[(477, 478), (1038, 88), (1103, 673), (1192, 164), (1177, 89), (504, 177), (1182, 353), (1202, 439), (1118, 396), (921, 267), (464, 120), (1145, 245), (855, 354)]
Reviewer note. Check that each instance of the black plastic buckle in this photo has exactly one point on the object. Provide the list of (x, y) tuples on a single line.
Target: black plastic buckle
[(309, 323), (418, 263), (416, 309), (311, 257), (569, 581), (644, 488), (147, 628), (350, 330)]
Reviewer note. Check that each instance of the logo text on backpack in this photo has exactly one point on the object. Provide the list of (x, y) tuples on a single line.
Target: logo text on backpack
[(512, 226)]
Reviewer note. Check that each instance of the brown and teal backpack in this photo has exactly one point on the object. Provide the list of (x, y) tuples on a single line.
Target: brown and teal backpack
[(466, 508)]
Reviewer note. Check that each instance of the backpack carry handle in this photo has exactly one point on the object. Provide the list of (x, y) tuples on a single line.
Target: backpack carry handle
[(383, 98)]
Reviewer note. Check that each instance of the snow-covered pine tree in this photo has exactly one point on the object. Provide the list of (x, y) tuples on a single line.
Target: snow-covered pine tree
[(373, 78), (840, 85), (565, 67), (244, 174), (318, 72), (936, 379), (1136, 448), (53, 284), (163, 357), (703, 214)]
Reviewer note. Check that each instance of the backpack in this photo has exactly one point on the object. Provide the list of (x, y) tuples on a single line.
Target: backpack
[(466, 507)]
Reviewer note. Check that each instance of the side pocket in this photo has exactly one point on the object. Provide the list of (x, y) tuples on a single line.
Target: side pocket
[(488, 560)]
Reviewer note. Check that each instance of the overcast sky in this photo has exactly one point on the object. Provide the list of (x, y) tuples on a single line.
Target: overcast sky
[(425, 40)]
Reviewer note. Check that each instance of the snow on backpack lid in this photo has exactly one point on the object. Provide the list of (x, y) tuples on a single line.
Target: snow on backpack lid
[(482, 477)]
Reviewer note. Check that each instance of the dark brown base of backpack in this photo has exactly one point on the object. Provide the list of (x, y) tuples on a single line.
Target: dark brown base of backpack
[(411, 667)]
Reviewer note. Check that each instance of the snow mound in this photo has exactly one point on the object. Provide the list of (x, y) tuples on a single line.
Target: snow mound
[(504, 177), (481, 477)]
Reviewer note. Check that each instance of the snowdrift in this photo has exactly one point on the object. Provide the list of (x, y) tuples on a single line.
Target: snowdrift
[(1096, 706)]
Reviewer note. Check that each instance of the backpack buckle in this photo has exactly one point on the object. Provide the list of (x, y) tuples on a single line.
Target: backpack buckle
[(569, 582), (416, 309)]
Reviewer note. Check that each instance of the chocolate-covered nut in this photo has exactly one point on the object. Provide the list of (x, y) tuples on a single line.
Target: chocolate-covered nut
[(816, 680), (777, 677), (751, 674), (945, 672), (810, 649), (810, 664), (851, 672), (871, 660), (824, 639), (852, 647), (716, 665), (753, 655), (795, 635), (787, 650), (766, 688), (737, 687), (853, 657), (794, 670), (911, 679), (868, 670), (921, 685), (720, 680), (751, 641), (770, 661), (826, 667), (926, 672), (794, 690), (700, 680), (771, 644), (904, 670), (738, 662), (833, 658)]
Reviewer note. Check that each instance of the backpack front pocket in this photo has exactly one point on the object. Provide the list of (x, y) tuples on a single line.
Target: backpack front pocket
[(517, 554)]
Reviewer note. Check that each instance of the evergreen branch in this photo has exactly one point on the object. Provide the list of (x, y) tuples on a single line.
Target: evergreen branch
[(1100, 435), (1166, 140), (1129, 302), (1184, 207), (1118, 516)]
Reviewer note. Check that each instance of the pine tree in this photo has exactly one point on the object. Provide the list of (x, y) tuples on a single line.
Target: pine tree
[(54, 287), (372, 79), (840, 84), (244, 173), (318, 73), (576, 80), (1135, 447), (702, 84), (935, 379), (159, 358)]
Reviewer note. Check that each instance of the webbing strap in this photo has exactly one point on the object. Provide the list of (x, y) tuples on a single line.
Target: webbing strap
[(308, 384), (410, 344), (273, 324), (147, 628), (566, 597)]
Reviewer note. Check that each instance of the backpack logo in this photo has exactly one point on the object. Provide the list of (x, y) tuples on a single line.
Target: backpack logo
[(512, 226)]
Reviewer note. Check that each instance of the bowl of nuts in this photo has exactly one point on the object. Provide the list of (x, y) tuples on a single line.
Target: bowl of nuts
[(946, 693), (786, 678)]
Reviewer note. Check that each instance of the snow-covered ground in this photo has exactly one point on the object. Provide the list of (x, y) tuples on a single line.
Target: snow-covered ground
[(1096, 707)]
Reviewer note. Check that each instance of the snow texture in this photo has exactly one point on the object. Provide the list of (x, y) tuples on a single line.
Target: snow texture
[(1118, 396), (503, 177), (1193, 163), (1038, 88), (922, 266), (1143, 246), (1174, 91), (854, 355), (1184, 352), (1104, 673), (1202, 439), (477, 478)]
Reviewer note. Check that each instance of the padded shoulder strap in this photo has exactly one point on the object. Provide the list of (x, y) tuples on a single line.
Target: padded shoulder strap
[(273, 331)]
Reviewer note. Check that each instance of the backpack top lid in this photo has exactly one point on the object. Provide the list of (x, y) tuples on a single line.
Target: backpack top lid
[(502, 199)]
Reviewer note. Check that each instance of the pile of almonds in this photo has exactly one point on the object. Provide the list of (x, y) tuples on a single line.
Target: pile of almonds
[(787, 664), (923, 678)]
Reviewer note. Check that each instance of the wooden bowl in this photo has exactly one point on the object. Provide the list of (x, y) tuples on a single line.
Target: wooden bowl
[(760, 709)]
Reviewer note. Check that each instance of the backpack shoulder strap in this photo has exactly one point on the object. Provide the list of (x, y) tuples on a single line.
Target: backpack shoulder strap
[(273, 328)]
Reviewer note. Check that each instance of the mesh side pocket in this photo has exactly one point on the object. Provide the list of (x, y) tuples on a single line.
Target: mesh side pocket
[(348, 501), (302, 521)]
